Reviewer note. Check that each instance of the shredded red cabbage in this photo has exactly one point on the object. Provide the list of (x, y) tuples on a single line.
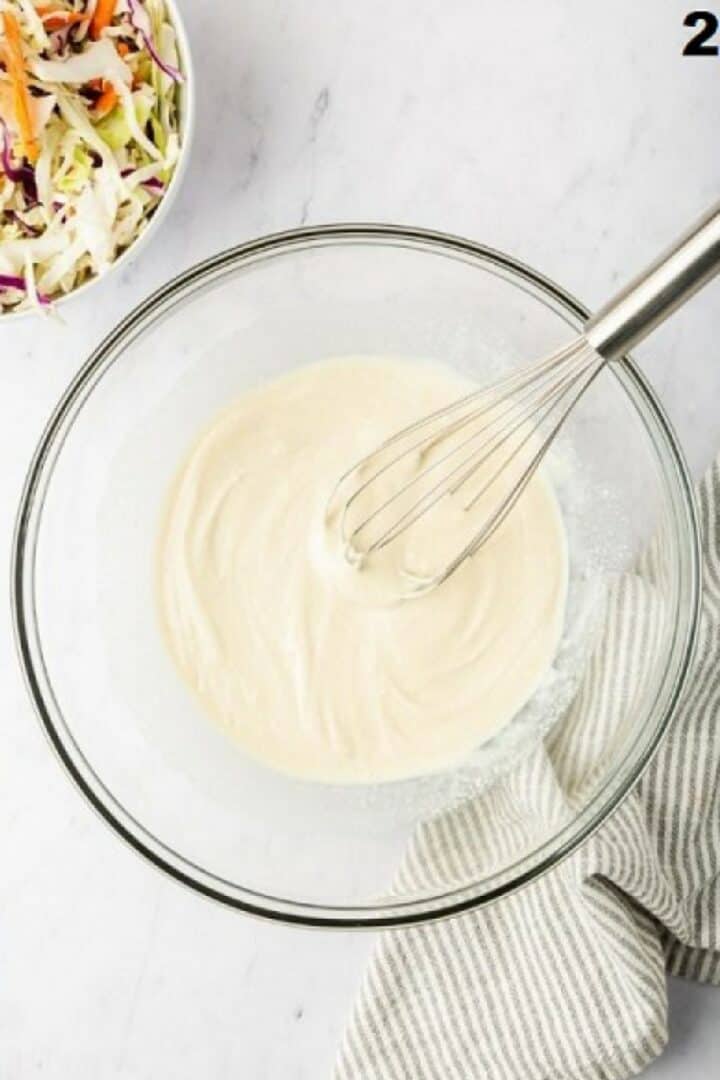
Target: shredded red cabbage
[(20, 174), (29, 230), (59, 40), (11, 281), (135, 21), (152, 183)]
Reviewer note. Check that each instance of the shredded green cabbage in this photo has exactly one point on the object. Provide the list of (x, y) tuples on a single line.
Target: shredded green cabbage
[(100, 175)]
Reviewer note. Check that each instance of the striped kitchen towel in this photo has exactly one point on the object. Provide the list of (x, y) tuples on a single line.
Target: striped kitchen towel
[(566, 979)]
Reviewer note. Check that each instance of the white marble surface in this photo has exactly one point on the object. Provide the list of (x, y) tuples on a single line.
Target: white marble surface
[(574, 136)]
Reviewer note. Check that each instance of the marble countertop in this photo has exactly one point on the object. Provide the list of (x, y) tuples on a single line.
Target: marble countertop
[(576, 137)]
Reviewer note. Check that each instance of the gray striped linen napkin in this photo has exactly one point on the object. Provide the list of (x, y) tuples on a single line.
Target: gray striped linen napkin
[(566, 979)]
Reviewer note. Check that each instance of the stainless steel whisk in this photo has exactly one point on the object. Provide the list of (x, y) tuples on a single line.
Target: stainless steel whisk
[(508, 426)]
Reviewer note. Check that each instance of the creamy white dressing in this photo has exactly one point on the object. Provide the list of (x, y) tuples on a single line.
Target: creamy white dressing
[(314, 666)]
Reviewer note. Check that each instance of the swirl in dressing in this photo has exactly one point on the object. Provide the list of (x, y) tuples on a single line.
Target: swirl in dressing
[(314, 666)]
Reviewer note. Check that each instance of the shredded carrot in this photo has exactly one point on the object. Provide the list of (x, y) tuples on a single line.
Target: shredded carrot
[(15, 64), (124, 50), (54, 18), (107, 100), (102, 17)]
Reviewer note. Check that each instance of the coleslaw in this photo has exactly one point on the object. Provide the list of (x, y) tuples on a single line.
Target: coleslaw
[(89, 138)]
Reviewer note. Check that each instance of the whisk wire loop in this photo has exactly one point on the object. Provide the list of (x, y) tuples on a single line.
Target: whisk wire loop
[(506, 420)]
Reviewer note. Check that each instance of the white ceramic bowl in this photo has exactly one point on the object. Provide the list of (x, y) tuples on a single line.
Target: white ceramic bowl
[(186, 117)]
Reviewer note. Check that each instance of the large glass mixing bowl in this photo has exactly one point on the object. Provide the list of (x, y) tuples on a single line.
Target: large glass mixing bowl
[(130, 735)]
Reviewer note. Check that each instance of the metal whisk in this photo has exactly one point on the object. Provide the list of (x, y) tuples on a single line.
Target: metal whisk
[(499, 434)]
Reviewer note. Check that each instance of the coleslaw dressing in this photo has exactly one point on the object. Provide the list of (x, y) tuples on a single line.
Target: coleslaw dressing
[(313, 666)]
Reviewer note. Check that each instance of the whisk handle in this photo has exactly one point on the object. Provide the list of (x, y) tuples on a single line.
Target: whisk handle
[(648, 300)]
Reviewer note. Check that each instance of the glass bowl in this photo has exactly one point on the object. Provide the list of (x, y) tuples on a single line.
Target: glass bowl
[(167, 781)]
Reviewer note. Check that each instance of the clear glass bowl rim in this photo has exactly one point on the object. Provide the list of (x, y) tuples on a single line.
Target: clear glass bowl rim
[(27, 636)]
